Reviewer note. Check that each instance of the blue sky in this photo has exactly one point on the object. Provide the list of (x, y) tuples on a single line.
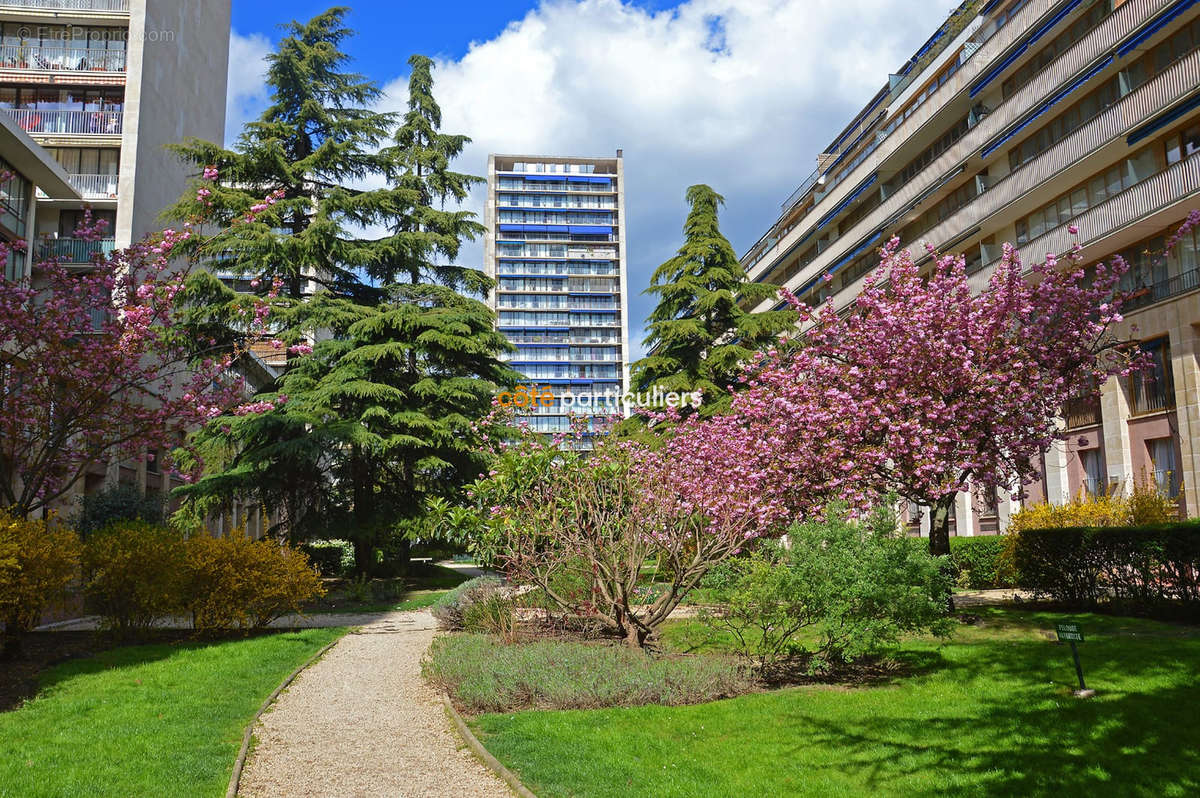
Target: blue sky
[(739, 94)]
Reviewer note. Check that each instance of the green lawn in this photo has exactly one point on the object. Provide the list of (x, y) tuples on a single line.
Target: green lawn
[(988, 713), (413, 600), (151, 720)]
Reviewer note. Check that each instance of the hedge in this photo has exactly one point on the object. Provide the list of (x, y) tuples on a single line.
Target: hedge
[(1142, 568), (980, 563)]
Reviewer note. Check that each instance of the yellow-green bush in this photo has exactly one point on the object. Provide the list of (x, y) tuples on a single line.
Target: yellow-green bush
[(238, 583), (1145, 504), (38, 562), (133, 574)]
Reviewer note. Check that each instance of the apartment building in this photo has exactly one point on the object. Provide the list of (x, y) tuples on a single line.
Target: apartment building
[(555, 245), (1014, 120), (102, 86)]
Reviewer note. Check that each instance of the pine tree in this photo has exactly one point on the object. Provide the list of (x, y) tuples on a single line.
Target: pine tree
[(701, 331), (317, 138), (390, 367), (425, 243)]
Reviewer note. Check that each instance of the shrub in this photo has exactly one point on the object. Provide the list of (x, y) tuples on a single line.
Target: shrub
[(332, 558), (982, 562), (120, 503), (847, 587), (1145, 504), (492, 614), (133, 574), (38, 562), (1143, 568), (238, 583), (450, 608), (485, 676)]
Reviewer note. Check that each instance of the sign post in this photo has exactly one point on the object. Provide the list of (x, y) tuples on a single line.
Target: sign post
[(1071, 633)]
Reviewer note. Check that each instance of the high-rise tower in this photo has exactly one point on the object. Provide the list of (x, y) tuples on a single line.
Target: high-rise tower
[(556, 247)]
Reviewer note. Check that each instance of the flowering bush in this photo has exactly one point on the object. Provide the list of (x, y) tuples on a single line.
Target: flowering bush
[(1144, 504), (974, 399), (550, 517), (38, 562), (238, 583), (105, 363), (133, 574)]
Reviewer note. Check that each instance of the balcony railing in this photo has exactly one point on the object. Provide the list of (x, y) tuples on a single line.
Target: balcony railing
[(101, 123), (1082, 412), (65, 59), (1163, 289), (76, 250), (68, 5), (95, 186)]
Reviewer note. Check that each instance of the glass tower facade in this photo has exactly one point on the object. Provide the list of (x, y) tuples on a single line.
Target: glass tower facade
[(556, 248)]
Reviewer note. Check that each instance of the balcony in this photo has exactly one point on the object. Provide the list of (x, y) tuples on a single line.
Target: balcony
[(1163, 289), (61, 59), (1082, 412), (71, 123), (76, 250), (95, 186), (120, 6)]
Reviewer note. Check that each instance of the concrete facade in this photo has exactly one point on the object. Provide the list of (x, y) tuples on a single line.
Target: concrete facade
[(103, 86), (1014, 121)]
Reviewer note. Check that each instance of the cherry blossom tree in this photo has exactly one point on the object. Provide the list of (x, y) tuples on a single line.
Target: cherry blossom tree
[(922, 386), (97, 364), (582, 528)]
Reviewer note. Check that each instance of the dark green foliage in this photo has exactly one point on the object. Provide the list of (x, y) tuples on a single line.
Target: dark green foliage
[(331, 557), (318, 136), (1153, 568), (980, 562), (701, 331), (120, 503), (382, 414), (838, 591), (485, 676)]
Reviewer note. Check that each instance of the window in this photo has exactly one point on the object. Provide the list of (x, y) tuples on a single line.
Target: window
[(1183, 144), (1153, 388), (14, 202), (1094, 482), (1166, 467), (1105, 95)]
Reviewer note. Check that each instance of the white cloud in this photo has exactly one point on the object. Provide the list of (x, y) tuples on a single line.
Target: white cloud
[(739, 94), (247, 95)]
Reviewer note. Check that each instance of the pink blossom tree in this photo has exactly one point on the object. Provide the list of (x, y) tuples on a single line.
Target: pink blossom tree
[(921, 387), (97, 364)]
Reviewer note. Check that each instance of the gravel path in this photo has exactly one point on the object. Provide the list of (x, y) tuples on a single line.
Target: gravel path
[(362, 722)]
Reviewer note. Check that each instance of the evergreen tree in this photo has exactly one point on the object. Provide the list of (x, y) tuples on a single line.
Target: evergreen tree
[(425, 242), (317, 137), (390, 367), (701, 331)]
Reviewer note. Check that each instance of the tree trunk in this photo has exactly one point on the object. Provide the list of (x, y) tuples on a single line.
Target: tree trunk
[(939, 525), (364, 548)]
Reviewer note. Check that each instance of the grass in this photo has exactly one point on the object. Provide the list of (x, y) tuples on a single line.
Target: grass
[(483, 675), (413, 600), (146, 720), (987, 713)]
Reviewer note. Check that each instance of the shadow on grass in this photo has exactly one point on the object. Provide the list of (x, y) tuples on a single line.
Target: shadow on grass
[(1140, 736), (51, 659)]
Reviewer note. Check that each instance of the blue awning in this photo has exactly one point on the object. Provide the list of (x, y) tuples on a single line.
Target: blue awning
[(591, 229), (588, 179)]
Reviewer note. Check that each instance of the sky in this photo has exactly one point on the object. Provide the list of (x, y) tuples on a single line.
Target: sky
[(739, 94)]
